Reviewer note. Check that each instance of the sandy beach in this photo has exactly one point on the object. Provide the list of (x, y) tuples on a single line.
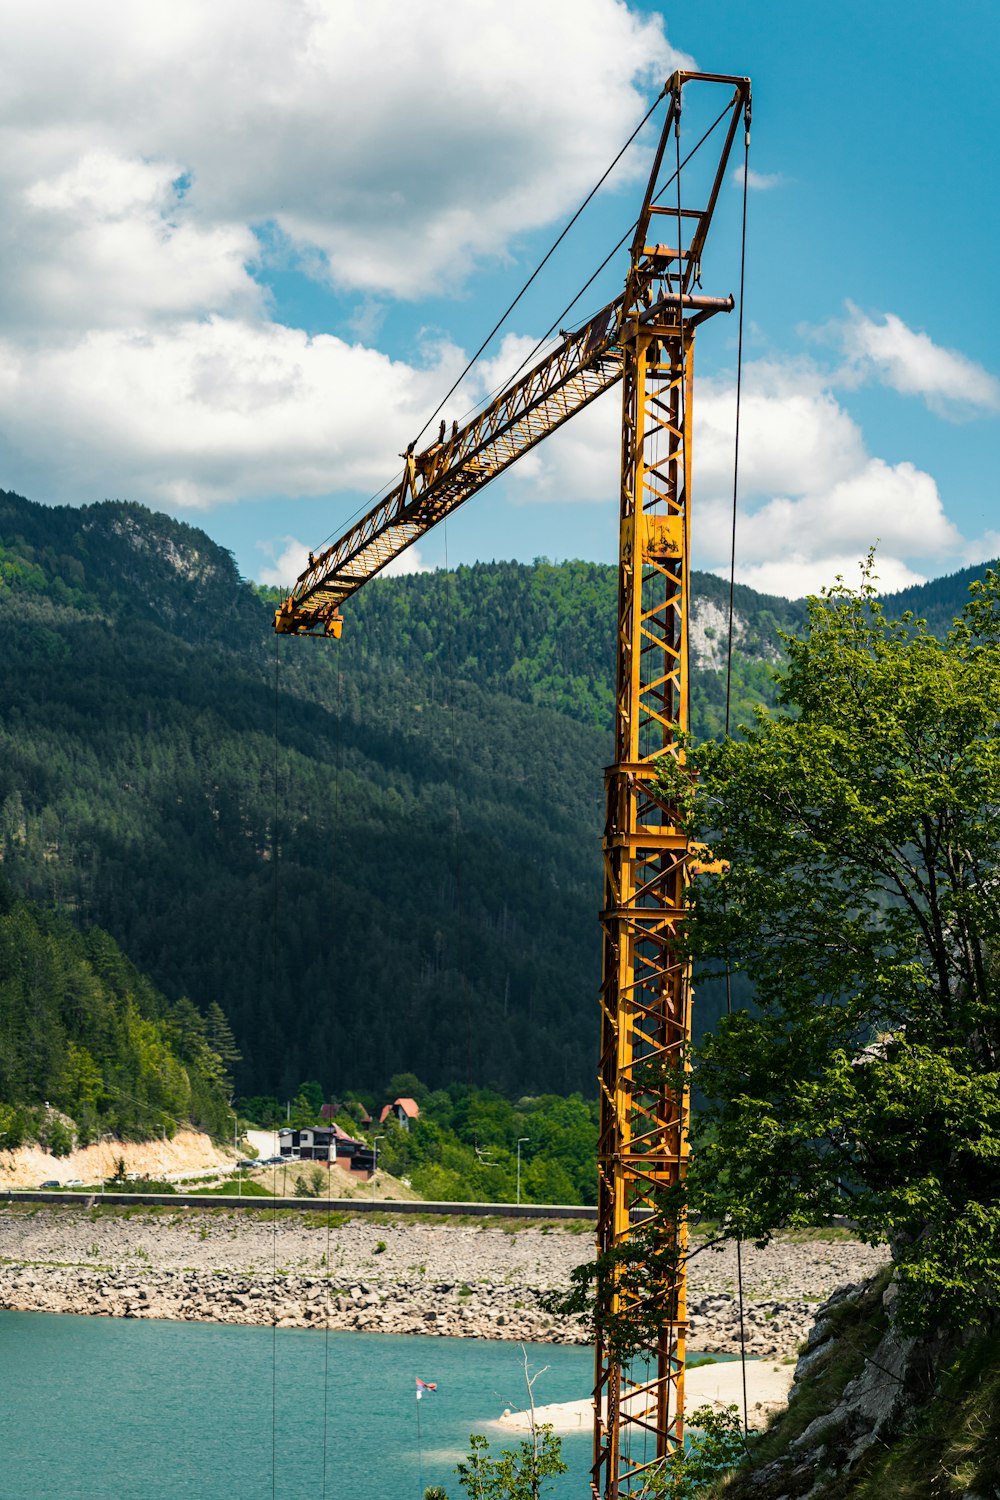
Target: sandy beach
[(716, 1385)]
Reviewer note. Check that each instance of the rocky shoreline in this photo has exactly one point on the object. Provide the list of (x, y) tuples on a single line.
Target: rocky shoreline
[(454, 1278)]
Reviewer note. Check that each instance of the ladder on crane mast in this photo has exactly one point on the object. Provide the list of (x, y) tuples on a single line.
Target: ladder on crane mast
[(645, 340)]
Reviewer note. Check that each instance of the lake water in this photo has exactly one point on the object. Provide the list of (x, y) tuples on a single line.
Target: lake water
[(122, 1409)]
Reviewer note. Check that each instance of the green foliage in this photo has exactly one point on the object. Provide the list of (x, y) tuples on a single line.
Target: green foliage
[(147, 1185), (57, 1138), (435, 1492), (518, 1474), (262, 1110), (464, 1147), (629, 1291), (82, 1029), (311, 1097), (439, 800), (245, 1189), (13, 1127), (862, 900), (717, 1447)]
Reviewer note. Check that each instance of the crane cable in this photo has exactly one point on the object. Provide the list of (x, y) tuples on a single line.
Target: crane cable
[(729, 662), (544, 260), (274, 980), (331, 1166), (610, 255), (383, 489)]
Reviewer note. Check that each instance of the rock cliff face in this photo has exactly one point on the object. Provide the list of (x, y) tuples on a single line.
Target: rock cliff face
[(875, 1412)]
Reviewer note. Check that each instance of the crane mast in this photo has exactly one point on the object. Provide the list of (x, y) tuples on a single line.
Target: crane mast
[(646, 984), (645, 340)]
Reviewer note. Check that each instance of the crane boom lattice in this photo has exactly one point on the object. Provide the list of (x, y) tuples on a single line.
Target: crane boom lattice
[(441, 478)]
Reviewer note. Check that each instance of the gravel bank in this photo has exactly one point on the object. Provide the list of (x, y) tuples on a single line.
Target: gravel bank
[(462, 1279)]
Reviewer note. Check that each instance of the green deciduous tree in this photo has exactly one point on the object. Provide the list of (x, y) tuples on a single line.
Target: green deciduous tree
[(860, 820), (718, 1446), (516, 1474)]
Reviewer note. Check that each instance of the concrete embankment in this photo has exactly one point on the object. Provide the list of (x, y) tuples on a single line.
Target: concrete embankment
[(304, 1270)]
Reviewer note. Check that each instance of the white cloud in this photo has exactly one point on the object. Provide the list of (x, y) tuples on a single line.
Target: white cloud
[(982, 548), (409, 561), (795, 575), (812, 497), (401, 142), (288, 559), (757, 182), (203, 412), (107, 243), (952, 385), (157, 159)]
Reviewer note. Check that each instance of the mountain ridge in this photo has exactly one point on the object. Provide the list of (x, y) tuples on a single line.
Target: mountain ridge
[(439, 792)]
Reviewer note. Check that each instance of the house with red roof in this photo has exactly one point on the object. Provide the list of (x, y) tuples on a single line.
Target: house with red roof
[(405, 1110)]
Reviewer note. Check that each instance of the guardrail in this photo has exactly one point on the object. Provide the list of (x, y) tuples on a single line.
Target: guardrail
[(312, 1205)]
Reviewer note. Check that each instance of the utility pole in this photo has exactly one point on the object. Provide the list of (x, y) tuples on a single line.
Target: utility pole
[(375, 1161)]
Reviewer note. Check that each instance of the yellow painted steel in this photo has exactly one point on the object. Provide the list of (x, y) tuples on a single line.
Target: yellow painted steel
[(441, 478), (645, 340), (646, 987)]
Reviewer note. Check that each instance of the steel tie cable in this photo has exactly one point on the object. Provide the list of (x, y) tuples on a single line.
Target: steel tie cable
[(545, 258), (326, 1332), (611, 253), (274, 1210), (366, 506), (729, 665)]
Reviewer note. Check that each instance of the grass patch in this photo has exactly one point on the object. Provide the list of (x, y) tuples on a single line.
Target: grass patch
[(953, 1448), (810, 1234), (59, 1265), (250, 1189)]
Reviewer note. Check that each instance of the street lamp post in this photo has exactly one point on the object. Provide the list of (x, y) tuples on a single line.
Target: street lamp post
[(375, 1162), (520, 1141)]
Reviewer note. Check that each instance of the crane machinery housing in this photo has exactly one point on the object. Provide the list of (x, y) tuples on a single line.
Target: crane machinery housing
[(645, 340)]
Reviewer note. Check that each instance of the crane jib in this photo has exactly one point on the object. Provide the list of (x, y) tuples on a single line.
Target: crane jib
[(442, 477)]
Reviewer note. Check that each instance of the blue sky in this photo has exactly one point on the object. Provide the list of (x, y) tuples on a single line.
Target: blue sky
[(249, 245)]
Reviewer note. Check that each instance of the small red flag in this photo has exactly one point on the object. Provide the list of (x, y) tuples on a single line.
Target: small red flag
[(424, 1387)]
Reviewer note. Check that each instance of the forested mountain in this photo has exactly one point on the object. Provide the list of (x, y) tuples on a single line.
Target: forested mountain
[(83, 1031), (438, 804)]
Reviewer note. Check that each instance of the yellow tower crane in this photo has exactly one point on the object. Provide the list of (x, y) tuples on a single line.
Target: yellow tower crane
[(645, 340)]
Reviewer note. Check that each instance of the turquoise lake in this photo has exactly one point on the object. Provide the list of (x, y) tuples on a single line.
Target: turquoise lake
[(122, 1409)]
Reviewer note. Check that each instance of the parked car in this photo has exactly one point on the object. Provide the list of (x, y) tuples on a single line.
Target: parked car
[(51, 1183), (73, 1182), (247, 1166)]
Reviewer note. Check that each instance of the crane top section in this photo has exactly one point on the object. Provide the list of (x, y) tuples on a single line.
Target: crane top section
[(660, 288)]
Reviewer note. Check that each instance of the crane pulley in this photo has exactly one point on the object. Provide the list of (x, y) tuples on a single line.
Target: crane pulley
[(643, 339)]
